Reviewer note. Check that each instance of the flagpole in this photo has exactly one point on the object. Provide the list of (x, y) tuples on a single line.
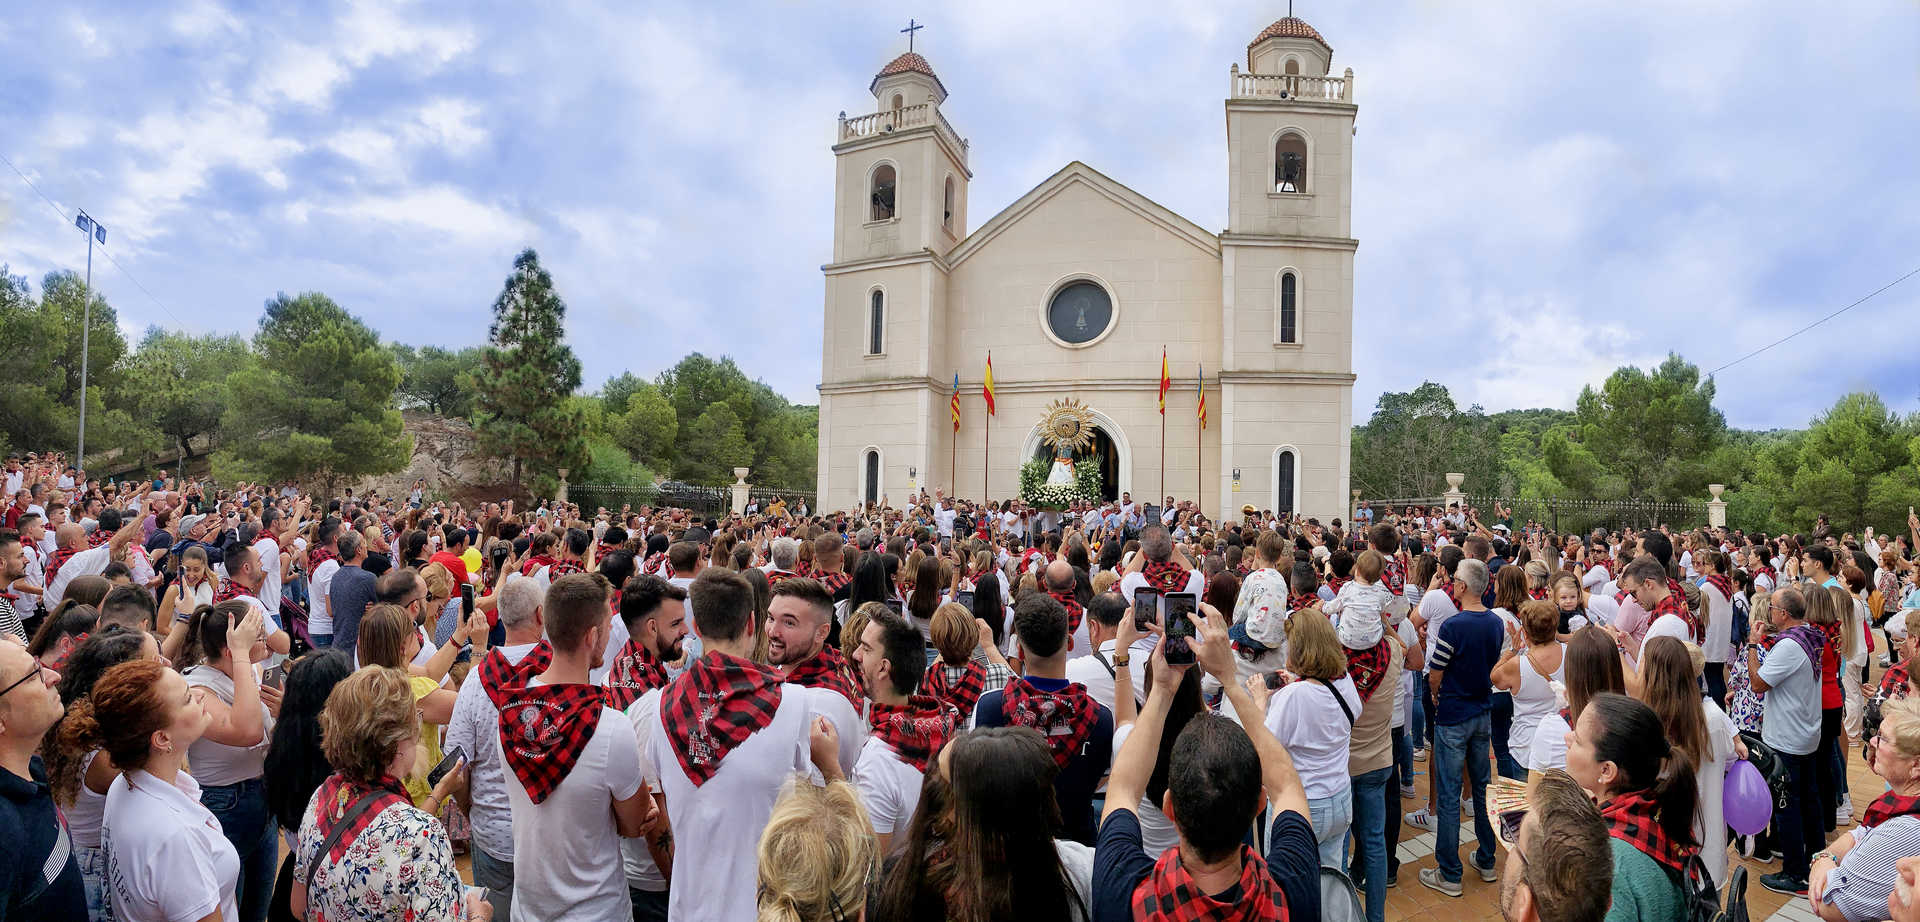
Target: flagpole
[(1163, 451), (953, 461), (1199, 467), (986, 454)]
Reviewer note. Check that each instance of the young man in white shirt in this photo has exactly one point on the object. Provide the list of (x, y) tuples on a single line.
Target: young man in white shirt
[(267, 546), (907, 729), (1097, 671), (720, 741), (798, 619), (75, 558), (324, 559), (574, 772), (475, 728), (655, 613)]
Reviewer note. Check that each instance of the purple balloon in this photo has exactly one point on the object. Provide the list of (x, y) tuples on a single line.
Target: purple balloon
[(1745, 800)]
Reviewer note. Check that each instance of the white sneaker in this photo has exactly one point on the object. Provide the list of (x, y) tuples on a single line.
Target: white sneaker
[(1407, 792), (1422, 819), (1844, 815), (1420, 754), (1432, 880), (1488, 873)]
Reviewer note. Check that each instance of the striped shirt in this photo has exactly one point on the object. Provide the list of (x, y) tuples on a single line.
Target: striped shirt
[(1866, 876), (9, 621)]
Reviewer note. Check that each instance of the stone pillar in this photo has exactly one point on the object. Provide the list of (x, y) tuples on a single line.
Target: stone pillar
[(1717, 507), (1353, 508), (560, 492), (1454, 493), (740, 490)]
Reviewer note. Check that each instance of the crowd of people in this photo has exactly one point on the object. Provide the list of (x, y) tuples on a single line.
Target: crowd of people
[(242, 703)]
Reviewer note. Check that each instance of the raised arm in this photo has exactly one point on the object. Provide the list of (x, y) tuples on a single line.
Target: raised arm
[(1214, 653)]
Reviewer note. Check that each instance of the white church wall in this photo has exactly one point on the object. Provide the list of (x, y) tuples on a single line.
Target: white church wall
[(1324, 209), (1265, 416), (891, 420), (1324, 309)]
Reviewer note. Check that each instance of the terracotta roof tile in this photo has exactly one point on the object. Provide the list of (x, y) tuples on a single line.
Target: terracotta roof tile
[(908, 63), (1289, 27)]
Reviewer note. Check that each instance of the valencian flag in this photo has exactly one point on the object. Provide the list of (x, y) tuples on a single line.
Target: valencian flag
[(955, 404), (1165, 381), (986, 390), (1201, 380)]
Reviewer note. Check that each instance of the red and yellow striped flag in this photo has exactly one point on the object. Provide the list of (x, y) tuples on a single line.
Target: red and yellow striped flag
[(1165, 381), (987, 390), (1201, 380), (954, 404)]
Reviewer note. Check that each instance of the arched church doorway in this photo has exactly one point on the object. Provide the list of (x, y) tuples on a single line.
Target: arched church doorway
[(1103, 453)]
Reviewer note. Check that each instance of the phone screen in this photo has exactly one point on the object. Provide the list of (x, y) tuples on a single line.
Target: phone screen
[(466, 598), (1146, 608), (1180, 609), (964, 598), (897, 606), (453, 758)]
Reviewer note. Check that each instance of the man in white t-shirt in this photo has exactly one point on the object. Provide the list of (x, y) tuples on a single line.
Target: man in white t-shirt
[(798, 619), (75, 558), (320, 612), (1097, 671), (1646, 582), (1165, 569), (943, 516), (720, 741), (574, 777), (907, 730)]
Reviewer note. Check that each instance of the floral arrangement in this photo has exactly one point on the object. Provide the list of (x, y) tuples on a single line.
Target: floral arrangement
[(1036, 491)]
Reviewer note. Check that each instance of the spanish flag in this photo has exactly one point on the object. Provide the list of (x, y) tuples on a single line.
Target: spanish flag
[(1165, 381), (987, 389), (1201, 380), (954, 405)]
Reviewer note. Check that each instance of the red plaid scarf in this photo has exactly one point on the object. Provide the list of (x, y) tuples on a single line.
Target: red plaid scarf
[(1064, 717), (1723, 584), (1395, 576), (1368, 668), (1033, 552), (1242, 571), (336, 794), (1074, 611), (230, 590), (320, 554), (1335, 582), (562, 568), (1170, 895), (499, 678), (655, 561), (1538, 594), (100, 536), (1676, 604), (776, 577), (834, 581), (826, 669), (1604, 563), (1300, 600), (544, 729), (962, 693), (713, 707), (1893, 684), (1773, 579), (803, 568), (915, 731), (60, 662), (1630, 819), (1165, 575), (535, 562), (601, 550), (1887, 806), (635, 672), (60, 557)]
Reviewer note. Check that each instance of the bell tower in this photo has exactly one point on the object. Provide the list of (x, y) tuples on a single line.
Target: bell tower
[(900, 204)]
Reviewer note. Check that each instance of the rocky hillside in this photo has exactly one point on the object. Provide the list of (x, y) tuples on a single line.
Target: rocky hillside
[(446, 455)]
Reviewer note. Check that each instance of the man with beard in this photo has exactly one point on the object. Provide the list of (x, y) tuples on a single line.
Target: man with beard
[(655, 613), (798, 620), (908, 729)]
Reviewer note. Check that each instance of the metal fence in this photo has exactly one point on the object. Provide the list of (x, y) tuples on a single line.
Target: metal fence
[(701, 500), (1578, 516)]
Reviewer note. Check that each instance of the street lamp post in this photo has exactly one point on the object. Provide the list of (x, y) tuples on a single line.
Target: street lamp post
[(94, 231)]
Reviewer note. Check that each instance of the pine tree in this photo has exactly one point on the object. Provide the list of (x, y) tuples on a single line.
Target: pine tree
[(528, 371)]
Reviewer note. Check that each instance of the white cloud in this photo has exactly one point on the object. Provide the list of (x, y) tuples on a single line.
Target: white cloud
[(444, 209)]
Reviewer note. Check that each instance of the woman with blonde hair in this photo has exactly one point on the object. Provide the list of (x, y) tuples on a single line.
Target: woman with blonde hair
[(969, 665), (1313, 716), (818, 855)]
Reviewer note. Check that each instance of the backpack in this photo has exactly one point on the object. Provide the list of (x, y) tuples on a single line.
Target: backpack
[(1771, 768), (1339, 901), (1702, 897)]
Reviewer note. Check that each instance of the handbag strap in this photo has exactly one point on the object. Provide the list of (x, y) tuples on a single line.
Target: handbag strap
[(1338, 700), (359, 806)]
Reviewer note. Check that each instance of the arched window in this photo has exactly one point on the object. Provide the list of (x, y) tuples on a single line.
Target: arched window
[(1285, 483), (877, 324), (1293, 67), (1290, 163), (898, 102), (870, 477), (883, 193), (1287, 323), (948, 218)]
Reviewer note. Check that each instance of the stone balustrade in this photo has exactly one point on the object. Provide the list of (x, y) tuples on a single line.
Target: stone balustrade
[(901, 119), (1291, 86)]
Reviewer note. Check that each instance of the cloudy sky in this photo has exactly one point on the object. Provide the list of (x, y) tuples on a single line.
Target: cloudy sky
[(1543, 191)]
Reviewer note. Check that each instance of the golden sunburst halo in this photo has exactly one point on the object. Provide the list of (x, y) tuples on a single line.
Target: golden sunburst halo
[(1068, 425)]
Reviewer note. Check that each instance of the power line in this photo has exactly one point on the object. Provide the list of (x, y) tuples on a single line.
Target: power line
[(1863, 300), (62, 212)]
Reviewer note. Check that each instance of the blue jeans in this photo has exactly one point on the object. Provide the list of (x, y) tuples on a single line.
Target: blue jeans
[(1462, 744), (497, 877), (1502, 726), (1331, 818), (320, 641), (246, 822), (1403, 753), (1370, 836)]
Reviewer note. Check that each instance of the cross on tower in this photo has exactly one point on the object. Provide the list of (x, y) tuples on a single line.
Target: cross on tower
[(911, 28)]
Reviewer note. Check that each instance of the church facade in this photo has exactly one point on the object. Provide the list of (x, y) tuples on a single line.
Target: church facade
[(1078, 286)]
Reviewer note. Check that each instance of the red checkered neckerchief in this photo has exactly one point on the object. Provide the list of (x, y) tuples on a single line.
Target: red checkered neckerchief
[(655, 561), (1887, 806), (499, 678), (713, 707), (1368, 668), (320, 554), (914, 731), (1335, 582), (1768, 572), (1075, 612), (1300, 600), (826, 669), (1031, 554), (1064, 717), (100, 536), (1676, 604), (59, 663), (545, 728), (230, 590), (1893, 684), (1165, 575), (962, 693), (635, 672), (563, 567), (1537, 593), (803, 568), (834, 581), (1169, 894), (776, 577), (1242, 571), (1723, 584), (60, 556), (601, 550), (336, 794), (535, 562), (1604, 563), (1630, 819), (1395, 576)]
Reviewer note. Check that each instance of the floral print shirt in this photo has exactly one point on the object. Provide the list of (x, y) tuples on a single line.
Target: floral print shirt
[(399, 867)]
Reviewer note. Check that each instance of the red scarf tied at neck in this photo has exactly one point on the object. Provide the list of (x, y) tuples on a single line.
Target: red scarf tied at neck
[(915, 731), (1165, 575), (1169, 894), (1074, 610), (826, 669), (1887, 806), (713, 707), (1065, 717), (963, 693), (545, 728), (635, 672), (1630, 819)]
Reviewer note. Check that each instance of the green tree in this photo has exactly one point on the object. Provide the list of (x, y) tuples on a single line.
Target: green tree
[(433, 379), (647, 428), (1654, 431), (319, 402), (1855, 464), (781, 447), (41, 338), (177, 383), (1415, 438), (521, 406), (717, 444), (619, 389)]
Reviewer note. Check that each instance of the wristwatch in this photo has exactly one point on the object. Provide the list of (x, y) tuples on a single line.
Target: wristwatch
[(1121, 659)]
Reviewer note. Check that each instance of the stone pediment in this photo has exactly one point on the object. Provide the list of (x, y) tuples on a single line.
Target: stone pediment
[(1079, 174)]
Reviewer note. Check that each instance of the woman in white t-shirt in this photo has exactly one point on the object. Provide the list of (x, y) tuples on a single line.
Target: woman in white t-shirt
[(1669, 684), (1535, 659), (166, 855), (1313, 715), (1591, 665), (229, 759)]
